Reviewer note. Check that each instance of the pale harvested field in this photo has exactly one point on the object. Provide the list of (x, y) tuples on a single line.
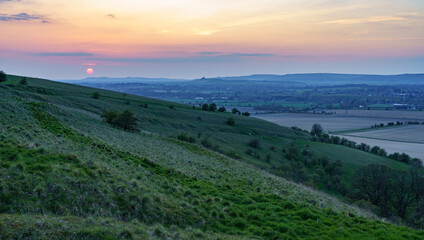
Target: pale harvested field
[(411, 133), (413, 149), (397, 114), (328, 122)]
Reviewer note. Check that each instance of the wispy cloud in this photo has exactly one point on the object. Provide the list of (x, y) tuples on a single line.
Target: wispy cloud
[(200, 57), (9, 1), (110, 15), (62, 54), (372, 19), (209, 53), (205, 32), (23, 17)]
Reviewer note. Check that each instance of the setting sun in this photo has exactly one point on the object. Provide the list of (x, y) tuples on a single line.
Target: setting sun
[(90, 71)]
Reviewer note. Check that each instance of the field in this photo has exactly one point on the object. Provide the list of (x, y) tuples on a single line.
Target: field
[(410, 134), (412, 149), (395, 114), (408, 139), (355, 125), (330, 123)]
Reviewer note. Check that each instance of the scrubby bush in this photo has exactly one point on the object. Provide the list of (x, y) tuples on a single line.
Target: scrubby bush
[(235, 110), (3, 76), (95, 95), (109, 116), (255, 143), (212, 107), (247, 114), (124, 120), (23, 81), (230, 121), (206, 143), (222, 109), (184, 137), (205, 107)]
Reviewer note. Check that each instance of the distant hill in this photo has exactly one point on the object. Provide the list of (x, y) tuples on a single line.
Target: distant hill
[(288, 79), (336, 79)]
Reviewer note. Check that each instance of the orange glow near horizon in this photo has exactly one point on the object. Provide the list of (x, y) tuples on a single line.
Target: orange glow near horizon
[(141, 32)]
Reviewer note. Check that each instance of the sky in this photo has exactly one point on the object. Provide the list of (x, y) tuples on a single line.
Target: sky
[(60, 39)]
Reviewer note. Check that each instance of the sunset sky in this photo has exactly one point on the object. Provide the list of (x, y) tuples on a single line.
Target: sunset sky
[(60, 39)]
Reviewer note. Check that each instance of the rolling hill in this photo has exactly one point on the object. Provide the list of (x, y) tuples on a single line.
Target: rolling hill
[(270, 79), (186, 174)]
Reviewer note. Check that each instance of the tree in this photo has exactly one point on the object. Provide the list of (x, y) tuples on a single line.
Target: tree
[(23, 81), (246, 114), (3, 76), (382, 152), (222, 109), (375, 149), (402, 193), (316, 130), (235, 110), (205, 107), (371, 183), (126, 120), (230, 122), (212, 107), (95, 95)]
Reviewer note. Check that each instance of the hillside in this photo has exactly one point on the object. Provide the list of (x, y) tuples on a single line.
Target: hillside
[(67, 174)]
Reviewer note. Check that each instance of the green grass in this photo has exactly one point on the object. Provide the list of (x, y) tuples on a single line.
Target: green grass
[(63, 169)]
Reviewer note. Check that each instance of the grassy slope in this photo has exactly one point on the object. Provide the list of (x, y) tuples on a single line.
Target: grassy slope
[(74, 169)]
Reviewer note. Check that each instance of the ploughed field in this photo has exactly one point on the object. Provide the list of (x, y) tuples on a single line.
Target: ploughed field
[(329, 122)]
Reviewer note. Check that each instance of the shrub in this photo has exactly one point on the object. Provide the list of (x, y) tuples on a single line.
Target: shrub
[(235, 110), (95, 95), (124, 120), (247, 114), (171, 106), (23, 81), (222, 109), (184, 137), (3, 76), (230, 122), (254, 143), (268, 158), (206, 143), (109, 116)]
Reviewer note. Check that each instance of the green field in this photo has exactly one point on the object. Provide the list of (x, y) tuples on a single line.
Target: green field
[(67, 174)]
